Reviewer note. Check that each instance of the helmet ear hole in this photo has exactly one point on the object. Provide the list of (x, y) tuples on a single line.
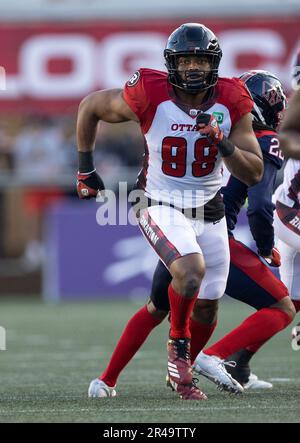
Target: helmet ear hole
[(192, 39)]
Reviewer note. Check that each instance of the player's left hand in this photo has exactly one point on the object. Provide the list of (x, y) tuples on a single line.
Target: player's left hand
[(274, 259), (208, 126)]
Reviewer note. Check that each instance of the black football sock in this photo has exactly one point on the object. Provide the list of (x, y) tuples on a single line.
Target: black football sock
[(242, 370)]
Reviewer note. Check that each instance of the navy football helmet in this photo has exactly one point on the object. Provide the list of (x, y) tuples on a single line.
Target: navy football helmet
[(193, 39), (268, 96)]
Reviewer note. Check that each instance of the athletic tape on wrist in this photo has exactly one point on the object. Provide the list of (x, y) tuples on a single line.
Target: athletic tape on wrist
[(225, 147), (86, 162)]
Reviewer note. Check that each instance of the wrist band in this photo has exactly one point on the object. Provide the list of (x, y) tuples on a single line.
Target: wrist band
[(87, 173), (225, 147), (85, 162)]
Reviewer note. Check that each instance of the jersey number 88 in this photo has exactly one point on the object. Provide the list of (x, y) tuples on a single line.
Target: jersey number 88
[(174, 156)]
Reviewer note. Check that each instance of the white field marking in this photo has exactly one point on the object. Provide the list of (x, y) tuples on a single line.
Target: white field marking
[(57, 397), (60, 352), (145, 355), (39, 339), (284, 380), (172, 409), (51, 355), (34, 366)]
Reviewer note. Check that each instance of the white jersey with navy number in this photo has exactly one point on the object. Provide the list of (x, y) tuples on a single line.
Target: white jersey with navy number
[(289, 192), (287, 227), (180, 166)]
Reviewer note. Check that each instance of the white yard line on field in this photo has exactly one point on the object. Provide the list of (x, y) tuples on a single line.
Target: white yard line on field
[(160, 409), (283, 380)]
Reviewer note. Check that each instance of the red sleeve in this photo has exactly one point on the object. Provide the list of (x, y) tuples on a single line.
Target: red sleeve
[(134, 94), (243, 102)]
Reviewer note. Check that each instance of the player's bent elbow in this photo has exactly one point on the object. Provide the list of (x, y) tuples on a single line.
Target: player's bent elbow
[(254, 178), (253, 181), (88, 110), (94, 101), (85, 104), (259, 172)]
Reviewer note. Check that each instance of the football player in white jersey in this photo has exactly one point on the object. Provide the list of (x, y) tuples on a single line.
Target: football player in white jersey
[(192, 121), (249, 280), (287, 214)]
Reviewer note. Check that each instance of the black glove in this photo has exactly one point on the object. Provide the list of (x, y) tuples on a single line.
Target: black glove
[(208, 126), (89, 184)]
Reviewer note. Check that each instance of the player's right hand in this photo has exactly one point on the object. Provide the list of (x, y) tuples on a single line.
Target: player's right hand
[(274, 259), (88, 185), (208, 126)]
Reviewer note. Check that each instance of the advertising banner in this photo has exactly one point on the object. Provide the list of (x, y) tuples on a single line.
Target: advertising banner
[(85, 260), (51, 67)]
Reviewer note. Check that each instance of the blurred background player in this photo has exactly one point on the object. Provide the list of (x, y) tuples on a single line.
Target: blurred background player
[(296, 71), (287, 214), (185, 149), (250, 280)]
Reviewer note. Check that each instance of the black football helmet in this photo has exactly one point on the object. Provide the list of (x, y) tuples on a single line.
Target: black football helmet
[(193, 39), (268, 96)]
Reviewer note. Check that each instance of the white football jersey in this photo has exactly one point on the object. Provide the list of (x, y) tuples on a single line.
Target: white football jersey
[(289, 192), (180, 166)]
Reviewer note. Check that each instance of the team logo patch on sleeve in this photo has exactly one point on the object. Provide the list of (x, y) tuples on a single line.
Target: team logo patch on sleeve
[(134, 79)]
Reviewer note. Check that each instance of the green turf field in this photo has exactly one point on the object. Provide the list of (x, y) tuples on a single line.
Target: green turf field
[(54, 351)]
